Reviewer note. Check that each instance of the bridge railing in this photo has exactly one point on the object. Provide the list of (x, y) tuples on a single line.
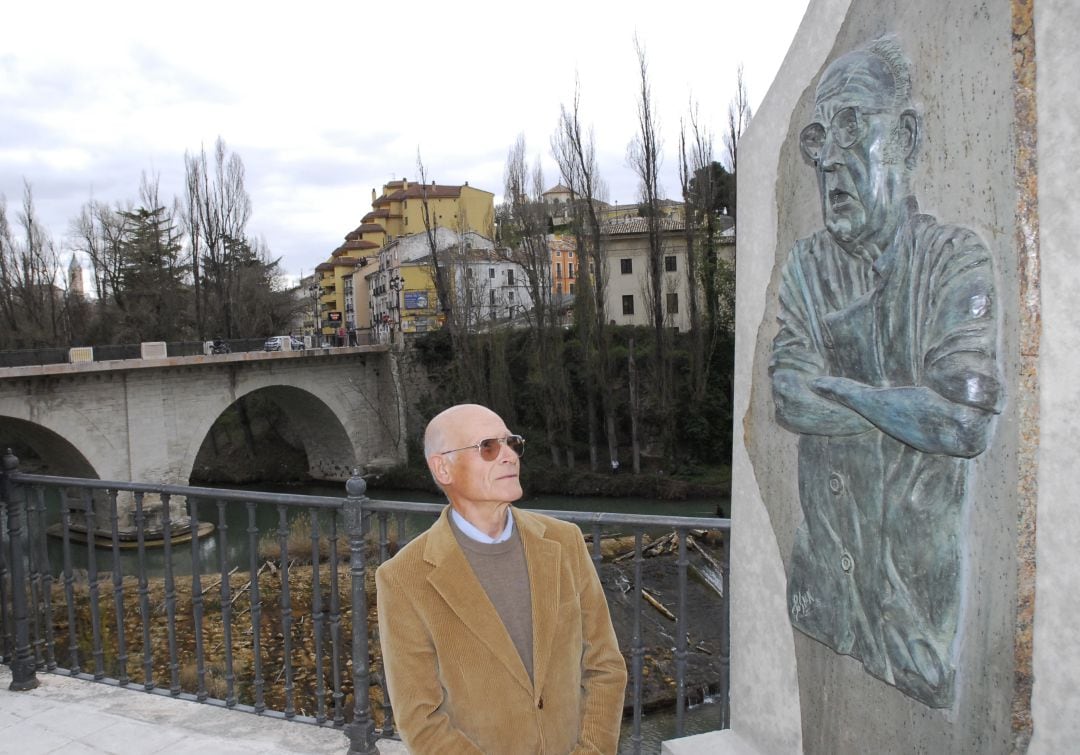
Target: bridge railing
[(260, 615), (123, 351)]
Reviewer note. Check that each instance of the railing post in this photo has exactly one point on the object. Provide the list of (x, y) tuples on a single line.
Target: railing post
[(361, 732), (23, 674)]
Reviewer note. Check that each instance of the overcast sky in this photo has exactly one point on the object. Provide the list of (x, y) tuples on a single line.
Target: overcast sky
[(326, 101)]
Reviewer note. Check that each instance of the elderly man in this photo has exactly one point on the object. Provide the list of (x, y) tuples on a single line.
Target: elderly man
[(885, 364), (495, 631)]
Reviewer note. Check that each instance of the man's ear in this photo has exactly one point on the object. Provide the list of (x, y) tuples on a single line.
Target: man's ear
[(440, 468), (908, 133)]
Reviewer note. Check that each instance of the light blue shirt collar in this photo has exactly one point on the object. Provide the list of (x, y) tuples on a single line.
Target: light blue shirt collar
[(473, 533)]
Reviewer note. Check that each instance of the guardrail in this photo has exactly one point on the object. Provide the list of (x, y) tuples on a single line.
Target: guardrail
[(264, 622)]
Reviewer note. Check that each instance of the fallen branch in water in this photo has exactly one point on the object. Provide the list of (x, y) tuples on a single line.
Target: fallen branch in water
[(656, 604)]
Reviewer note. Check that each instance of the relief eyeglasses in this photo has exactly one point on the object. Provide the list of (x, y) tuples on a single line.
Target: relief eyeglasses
[(489, 447), (847, 126)]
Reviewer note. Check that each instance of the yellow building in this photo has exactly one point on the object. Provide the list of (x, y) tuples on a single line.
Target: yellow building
[(345, 306), (461, 208), (342, 308)]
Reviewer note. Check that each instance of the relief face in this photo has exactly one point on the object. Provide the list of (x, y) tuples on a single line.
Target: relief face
[(885, 365)]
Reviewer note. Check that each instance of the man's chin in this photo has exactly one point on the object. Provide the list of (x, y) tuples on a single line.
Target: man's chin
[(841, 229), (513, 490)]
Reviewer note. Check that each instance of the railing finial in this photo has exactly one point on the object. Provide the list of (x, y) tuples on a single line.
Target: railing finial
[(356, 487), (10, 461)]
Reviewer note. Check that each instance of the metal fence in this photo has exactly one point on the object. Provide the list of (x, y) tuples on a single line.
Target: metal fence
[(261, 614)]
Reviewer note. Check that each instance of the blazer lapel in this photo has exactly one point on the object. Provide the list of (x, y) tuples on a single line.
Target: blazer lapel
[(544, 560), (453, 578)]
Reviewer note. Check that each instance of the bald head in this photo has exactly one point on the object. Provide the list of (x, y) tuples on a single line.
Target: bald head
[(470, 481), (877, 77), (450, 428)]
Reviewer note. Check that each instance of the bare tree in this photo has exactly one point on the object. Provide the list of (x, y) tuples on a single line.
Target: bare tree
[(525, 222), (739, 115), (457, 295), (575, 154), (218, 207), (30, 300), (697, 174), (98, 232), (643, 155), (440, 276)]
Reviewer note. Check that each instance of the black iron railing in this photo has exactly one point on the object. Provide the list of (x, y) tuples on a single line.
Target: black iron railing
[(105, 581)]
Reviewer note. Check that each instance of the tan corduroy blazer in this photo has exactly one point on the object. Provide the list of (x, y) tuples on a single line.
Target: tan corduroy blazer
[(456, 681)]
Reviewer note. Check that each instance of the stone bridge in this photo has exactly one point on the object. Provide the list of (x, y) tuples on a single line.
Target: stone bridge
[(145, 420)]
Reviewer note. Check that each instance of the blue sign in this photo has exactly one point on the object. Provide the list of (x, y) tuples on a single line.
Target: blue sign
[(416, 300)]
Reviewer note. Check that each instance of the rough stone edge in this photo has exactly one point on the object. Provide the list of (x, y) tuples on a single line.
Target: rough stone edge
[(1025, 172), (777, 724)]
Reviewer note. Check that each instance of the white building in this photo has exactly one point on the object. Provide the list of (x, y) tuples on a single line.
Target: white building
[(628, 295)]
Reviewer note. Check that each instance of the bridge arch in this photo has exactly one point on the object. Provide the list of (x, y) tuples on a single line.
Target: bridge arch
[(59, 455), (329, 449)]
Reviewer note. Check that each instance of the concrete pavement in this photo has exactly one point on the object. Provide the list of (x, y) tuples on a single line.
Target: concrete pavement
[(71, 716)]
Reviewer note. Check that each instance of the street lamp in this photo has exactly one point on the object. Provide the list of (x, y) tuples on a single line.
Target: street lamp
[(396, 284), (313, 291)]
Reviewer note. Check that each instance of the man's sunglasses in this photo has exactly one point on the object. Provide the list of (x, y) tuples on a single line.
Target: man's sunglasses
[(489, 447)]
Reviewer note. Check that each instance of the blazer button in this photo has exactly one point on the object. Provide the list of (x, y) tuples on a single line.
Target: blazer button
[(836, 484), (540, 704)]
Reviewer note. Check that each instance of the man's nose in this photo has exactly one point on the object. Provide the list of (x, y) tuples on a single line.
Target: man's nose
[(831, 153), (506, 453)]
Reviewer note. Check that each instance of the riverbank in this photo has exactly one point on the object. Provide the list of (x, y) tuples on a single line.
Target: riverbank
[(252, 442), (539, 480)]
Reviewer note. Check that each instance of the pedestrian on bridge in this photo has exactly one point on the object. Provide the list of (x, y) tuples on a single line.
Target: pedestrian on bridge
[(495, 632)]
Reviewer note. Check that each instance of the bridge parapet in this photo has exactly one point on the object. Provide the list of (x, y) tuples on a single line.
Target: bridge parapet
[(148, 419)]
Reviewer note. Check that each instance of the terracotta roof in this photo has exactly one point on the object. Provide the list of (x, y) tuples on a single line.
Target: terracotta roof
[(366, 227), (359, 244), (375, 214), (639, 225), (416, 191), (324, 267), (557, 189), (348, 262)]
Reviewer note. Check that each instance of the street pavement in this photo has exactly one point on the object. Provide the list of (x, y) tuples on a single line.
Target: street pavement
[(72, 716)]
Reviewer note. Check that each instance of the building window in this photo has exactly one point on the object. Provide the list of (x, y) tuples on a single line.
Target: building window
[(628, 303), (673, 303), (570, 254), (558, 287), (491, 272), (491, 296), (571, 289), (510, 296), (570, 270), (626, 266), (669, 263), (509, 277), (558, 270)]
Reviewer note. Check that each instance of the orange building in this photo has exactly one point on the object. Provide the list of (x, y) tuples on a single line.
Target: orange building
[(564, 264)]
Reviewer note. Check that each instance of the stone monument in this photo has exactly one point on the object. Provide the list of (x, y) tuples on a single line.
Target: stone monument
[(906, 387)]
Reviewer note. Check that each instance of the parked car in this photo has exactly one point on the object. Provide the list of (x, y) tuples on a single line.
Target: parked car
[(283, 343)]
